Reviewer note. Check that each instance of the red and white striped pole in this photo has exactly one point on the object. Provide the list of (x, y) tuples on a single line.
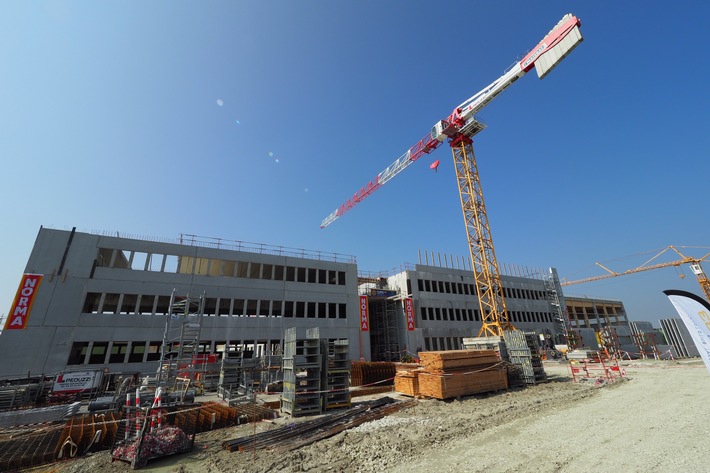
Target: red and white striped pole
[(138, 410), (160, 403), (156, 403), (128, 413)]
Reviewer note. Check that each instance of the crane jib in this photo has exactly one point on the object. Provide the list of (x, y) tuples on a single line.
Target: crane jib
[(554, 47), (425, 146)]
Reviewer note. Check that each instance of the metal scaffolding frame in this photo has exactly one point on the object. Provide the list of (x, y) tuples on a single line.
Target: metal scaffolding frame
[(181, 340), (384, 330)]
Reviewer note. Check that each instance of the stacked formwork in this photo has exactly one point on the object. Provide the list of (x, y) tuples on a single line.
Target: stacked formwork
[(236, 378), (494, 343), (336, 372), (302, 367), (523, 351), (271, 370)]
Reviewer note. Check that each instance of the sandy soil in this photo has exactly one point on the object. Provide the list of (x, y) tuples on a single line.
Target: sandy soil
[(655, 420)]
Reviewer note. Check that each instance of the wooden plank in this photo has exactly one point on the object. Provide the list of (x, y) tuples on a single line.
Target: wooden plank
[(456, 359), (407, 383), (446, 386)]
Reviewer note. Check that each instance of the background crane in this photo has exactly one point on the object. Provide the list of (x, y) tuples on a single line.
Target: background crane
[(694, 263), (459, 129)]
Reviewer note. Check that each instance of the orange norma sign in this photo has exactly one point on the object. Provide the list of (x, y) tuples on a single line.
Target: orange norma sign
[(364, 315), (20, 310), (409, 311)]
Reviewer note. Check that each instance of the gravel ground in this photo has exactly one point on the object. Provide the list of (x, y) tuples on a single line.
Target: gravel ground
[(653, 420)]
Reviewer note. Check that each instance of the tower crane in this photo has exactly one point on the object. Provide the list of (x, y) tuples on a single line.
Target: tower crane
[(694, 263), (458, 129)]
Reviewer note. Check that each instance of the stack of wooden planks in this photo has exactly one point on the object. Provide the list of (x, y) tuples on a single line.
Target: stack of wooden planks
[(453, 373), (406, 381)]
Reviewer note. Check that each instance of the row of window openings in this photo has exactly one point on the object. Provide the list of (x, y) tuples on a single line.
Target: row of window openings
[(442, 343), (99, 353), (447, 287), (591, 311), (138, 304), (448, 313), (140, 261)]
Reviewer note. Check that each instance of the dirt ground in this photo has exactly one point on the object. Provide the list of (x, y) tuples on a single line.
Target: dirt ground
[(654, 420)]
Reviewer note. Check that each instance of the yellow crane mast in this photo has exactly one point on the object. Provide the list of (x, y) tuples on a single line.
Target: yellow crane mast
[(494, 313), (458, 130)]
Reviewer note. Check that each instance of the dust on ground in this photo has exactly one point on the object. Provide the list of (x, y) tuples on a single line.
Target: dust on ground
[(655, 419)]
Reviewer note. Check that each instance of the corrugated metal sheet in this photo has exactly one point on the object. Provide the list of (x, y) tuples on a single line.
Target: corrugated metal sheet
[(551, 58)]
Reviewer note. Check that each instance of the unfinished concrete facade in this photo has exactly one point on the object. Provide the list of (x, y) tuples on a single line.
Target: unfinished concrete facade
[(104, 300)]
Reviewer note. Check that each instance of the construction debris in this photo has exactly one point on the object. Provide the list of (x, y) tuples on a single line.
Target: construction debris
[(296, 435), (167, 440), (167, 430)]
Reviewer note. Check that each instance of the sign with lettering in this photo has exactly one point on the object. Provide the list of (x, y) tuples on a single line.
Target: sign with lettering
[(695, 313), (77, 381), (364, 315), (20, 310), (409, 313)]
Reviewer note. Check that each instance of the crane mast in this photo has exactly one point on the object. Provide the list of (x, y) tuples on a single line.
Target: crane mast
[(458, 129)]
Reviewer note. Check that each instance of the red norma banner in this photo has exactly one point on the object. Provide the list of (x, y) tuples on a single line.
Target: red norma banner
[(409, 312), (364, 315), (20, 310)]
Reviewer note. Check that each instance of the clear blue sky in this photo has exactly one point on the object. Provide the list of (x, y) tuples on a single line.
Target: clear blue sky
[(253, 120)]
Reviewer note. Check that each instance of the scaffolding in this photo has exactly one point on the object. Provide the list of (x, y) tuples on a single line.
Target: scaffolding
[(562, 324), (384, 330), (181, 341), (302, 367)]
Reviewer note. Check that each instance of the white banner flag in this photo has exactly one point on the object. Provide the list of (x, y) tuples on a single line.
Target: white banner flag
[(695, 313)]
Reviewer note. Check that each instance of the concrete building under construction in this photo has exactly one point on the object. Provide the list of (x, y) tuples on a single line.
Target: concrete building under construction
[(103, 300)]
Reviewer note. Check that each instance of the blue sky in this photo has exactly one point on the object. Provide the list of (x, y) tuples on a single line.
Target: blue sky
[(253, 120)]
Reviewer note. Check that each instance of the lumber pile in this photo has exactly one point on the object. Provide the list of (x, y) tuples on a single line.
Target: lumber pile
[(457, 360), (407, 382), (454, 373)]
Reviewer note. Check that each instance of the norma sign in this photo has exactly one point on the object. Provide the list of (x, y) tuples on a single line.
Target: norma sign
[(20, 310), (364, 315), (409, 312)]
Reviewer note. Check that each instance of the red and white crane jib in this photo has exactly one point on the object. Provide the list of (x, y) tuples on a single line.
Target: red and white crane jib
[(554, 47), (425, 146)]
